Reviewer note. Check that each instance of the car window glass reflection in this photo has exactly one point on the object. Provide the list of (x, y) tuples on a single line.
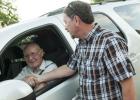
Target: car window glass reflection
[(131, 14)]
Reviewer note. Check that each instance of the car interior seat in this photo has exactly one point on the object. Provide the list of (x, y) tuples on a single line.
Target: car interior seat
[(53, 48), (14, 62)]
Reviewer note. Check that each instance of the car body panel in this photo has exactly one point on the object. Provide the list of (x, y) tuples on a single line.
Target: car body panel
[(64, 91), (14, 30)]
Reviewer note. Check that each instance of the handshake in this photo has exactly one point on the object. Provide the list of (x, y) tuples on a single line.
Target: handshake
[(35, 81)]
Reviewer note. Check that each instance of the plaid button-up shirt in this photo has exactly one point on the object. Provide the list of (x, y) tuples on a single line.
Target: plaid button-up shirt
[(102, 61)]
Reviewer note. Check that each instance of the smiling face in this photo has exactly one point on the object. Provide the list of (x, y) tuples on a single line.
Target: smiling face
[(33, 55)]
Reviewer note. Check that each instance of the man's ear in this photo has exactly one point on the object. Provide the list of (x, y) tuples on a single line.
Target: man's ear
[(42, 52), (77, 20)]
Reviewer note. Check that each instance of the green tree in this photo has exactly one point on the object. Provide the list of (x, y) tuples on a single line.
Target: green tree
[(7, 13), (92, 1)]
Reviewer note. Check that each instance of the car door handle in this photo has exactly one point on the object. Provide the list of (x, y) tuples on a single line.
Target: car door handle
[(132, 57)]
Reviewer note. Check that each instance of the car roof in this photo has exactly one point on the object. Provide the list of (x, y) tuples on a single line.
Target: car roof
[(95, 8), (111, 5), (12, 30)]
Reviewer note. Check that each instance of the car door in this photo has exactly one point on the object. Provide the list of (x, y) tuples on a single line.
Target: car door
[(57, 45)]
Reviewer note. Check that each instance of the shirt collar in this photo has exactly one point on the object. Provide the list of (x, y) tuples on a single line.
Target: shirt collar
[(92, 32), (43, 65)]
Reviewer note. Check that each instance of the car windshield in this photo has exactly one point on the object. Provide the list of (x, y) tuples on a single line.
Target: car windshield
[(131, 14)]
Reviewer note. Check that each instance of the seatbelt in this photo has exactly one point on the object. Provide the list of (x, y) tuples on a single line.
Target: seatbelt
[(45, 68)]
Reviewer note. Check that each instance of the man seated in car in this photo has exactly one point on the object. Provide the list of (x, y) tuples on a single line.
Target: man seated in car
[(36, 65)]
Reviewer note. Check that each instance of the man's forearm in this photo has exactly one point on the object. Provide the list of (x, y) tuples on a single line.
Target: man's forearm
[(60, 72), (128, 89), (30, 80)]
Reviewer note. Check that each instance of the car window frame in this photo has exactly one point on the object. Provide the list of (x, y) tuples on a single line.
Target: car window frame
[(30, 32), (113, 22)]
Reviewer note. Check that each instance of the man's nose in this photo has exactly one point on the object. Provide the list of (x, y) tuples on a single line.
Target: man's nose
[(66, 28), (30, 57)]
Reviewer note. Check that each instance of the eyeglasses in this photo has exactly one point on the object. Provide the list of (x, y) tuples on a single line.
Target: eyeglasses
[(73, 10), (33, 54), (70, 6)]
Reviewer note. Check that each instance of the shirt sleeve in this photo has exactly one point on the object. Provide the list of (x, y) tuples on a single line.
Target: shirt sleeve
[(51, 66), (116, 59), (72, 63)]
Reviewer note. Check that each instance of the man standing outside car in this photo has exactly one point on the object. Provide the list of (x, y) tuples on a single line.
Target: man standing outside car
[(101, 58)]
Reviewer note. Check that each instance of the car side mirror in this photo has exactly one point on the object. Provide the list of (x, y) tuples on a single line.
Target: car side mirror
[(16, 90)]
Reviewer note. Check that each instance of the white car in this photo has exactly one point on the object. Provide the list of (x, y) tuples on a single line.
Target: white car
[(122, 17)]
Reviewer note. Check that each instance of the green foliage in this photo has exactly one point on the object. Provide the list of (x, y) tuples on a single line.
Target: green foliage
[(7, 13), (92, 1)]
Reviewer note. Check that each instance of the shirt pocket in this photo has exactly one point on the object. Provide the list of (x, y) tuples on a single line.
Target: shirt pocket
[(92, 71)]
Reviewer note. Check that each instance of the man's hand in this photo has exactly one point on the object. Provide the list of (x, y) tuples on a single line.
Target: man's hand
[(30, 80), (38, 79)]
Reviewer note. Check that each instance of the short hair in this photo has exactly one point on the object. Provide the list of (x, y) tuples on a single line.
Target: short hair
[(29, 44), (81, 9)]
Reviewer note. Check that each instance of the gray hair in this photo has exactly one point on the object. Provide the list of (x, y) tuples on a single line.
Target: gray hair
[(81, 9)]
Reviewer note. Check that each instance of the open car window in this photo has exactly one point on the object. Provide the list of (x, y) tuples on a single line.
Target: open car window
[(49, 38)]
